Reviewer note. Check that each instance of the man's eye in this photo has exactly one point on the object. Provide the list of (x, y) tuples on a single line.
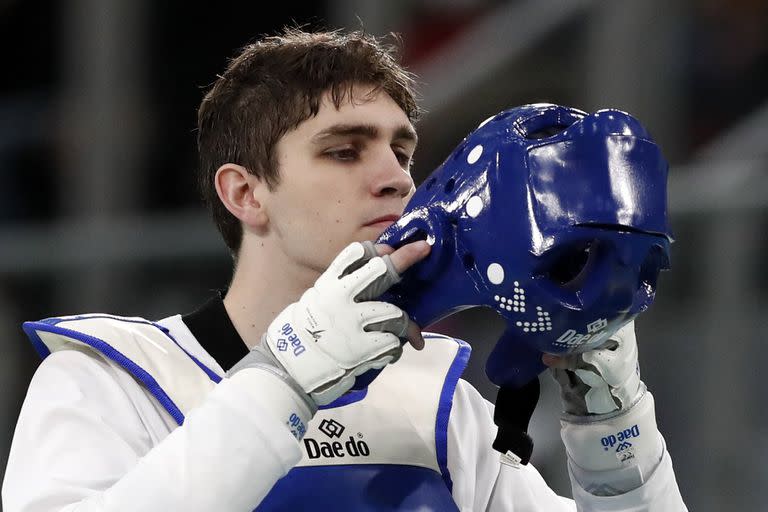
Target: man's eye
[(404, 159), (343, 154)]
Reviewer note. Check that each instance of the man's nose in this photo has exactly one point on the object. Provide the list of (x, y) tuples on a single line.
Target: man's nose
[(391, 178)]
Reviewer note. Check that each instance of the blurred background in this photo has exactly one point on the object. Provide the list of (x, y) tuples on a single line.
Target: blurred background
[(98, 210)]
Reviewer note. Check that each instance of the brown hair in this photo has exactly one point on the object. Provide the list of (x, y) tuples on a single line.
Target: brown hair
[(272, 86)]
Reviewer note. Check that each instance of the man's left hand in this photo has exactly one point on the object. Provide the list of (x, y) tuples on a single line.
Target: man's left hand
[(609, 426), (600, 381)]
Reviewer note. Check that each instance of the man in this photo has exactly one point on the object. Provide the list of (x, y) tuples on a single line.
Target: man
[(261, 399)]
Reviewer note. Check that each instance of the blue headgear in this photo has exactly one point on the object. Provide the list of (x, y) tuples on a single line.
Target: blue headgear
[(553, 217)]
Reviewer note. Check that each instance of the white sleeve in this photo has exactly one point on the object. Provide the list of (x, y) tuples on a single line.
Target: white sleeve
[(658, 493), (80, 445), (481, 482), (652, 474)]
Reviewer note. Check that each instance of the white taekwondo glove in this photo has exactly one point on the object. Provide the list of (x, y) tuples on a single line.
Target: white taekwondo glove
[(602, 380), (334, 332), (609, 422)]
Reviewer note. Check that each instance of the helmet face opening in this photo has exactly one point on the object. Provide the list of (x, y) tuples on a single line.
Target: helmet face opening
[(569, 266), (554, 218)]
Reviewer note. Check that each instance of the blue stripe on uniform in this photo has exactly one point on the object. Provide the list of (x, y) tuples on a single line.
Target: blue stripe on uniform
[(446, 403), (31, 328)]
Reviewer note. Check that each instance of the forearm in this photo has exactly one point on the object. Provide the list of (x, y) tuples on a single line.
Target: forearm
[(80, 446), (619, 461), (659, 492), (227, 456), (613, 453)]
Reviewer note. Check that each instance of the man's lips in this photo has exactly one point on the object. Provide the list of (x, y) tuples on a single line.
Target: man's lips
[(384, 220)]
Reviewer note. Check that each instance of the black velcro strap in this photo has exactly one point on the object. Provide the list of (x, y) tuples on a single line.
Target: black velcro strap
[(513, 410)]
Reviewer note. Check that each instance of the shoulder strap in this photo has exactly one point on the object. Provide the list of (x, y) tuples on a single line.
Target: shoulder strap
[(453, 374), (144, 349)]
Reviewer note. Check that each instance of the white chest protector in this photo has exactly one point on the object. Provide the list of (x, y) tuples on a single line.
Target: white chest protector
[(381, 448)]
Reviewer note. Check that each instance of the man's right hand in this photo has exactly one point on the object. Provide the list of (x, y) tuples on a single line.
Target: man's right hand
[(337, 330)]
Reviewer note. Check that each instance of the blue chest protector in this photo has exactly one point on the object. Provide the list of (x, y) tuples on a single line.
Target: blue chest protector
[(380, 448), (369, 487)]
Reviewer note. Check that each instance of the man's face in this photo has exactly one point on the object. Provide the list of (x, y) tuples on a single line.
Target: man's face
[(344, 177)]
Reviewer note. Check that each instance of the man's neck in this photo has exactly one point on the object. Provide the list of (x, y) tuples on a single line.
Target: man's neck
[(260, 291)]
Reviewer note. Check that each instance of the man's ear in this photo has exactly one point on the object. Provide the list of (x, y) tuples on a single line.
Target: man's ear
[(242, 193)]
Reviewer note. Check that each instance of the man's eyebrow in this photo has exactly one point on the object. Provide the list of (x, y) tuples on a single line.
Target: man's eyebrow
[(370, 131)]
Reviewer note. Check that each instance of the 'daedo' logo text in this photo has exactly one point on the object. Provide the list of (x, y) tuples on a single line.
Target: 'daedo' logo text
[(332, 449)]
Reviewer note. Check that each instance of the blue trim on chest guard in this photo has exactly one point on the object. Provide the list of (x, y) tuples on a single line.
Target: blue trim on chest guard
[(211, 374), (51, 325), (40, 346), (446, 404), (43, 351), (360, 488), (139, 373)]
